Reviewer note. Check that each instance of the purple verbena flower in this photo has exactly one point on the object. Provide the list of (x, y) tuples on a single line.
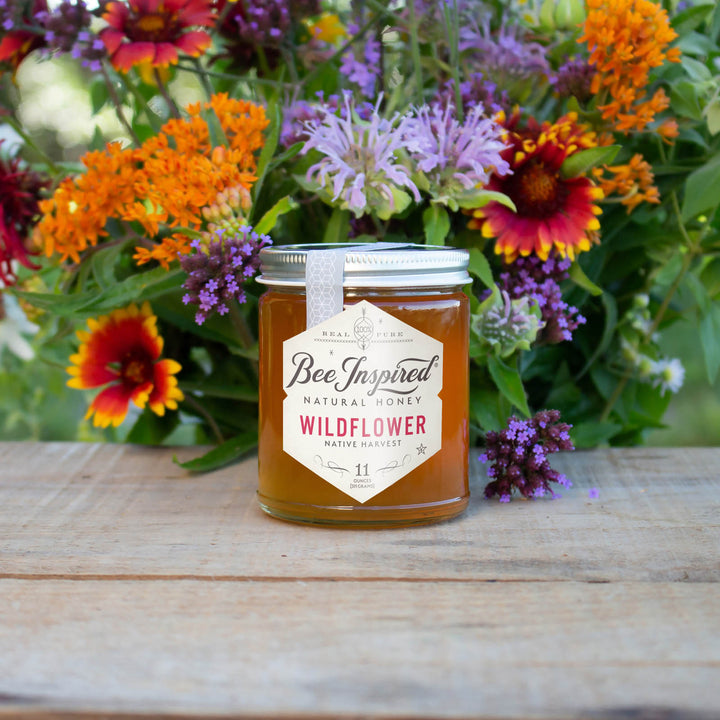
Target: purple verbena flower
[(217, 270), (454, 156), (539, 281), (573, 79), (519, 456), (476, 90), (359, 169), (365, 70)]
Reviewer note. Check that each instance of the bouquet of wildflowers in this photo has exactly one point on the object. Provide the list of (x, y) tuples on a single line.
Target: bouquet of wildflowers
[(570, 145)]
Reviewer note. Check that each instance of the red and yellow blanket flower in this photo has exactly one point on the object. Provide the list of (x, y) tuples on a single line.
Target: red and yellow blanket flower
[(23, 38), (154, 32), (552, 211), (121, 352)]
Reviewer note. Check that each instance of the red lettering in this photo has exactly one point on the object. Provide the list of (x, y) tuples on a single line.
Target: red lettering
[(306, 424), (394, 425), (420, 424)]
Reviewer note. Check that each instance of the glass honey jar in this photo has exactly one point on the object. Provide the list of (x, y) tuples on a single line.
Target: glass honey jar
[(363, 384)]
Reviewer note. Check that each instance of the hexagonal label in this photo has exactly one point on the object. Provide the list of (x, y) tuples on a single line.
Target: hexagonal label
[(362, 408)]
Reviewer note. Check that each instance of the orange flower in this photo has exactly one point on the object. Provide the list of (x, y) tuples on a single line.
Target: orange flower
[(121, 352), (552, 211), (626, 40), (633, 182), (164, 183)]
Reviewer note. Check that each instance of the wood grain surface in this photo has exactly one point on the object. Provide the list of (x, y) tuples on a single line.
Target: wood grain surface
[(131, 588)]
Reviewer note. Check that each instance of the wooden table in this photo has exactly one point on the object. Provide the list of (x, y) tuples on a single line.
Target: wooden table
[(131, 588)]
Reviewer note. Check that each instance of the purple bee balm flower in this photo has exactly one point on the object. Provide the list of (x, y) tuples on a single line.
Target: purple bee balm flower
[(360, 169), (455, 156), (217, 270), (519, 456)]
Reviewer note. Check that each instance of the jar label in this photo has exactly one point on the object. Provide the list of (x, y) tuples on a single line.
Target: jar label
[(362, 406)]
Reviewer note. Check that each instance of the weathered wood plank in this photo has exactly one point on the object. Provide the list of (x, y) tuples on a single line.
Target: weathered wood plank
[(116, 510), (415, 649)]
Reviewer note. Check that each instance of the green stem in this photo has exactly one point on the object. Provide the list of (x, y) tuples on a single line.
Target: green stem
[(245, 336), (172, 107), (118, 105), (15, 125), (204, 80), (209, 419), (415, 51), (692, 250)]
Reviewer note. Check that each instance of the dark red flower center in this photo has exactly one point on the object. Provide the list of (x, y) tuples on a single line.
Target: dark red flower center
[(136, 369), (153, 27), (536, 190)]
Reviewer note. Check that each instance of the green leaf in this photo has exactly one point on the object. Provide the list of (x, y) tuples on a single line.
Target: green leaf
[(136, 288), (103, 262), (509, 383), (580, 162), (224, 454), (690, 19), (712, 115), (436, 223), (710, 340), (271, 142), (473, 199), (698, 290), (578, 276), (697, 70), (611, 317), (152, 429), (338, 227), (480, 268), (701, 190), (221, 390), (268, 221), (593, 433), (484, 407), (684, 99), (99, 95), (710, 277)]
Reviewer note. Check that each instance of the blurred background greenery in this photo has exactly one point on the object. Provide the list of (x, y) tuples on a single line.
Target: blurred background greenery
[(54, 104)]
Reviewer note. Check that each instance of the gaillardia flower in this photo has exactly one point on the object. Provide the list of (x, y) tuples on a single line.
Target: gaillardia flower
[(20, 37), (121, 352), (552, 210), (155, 31)]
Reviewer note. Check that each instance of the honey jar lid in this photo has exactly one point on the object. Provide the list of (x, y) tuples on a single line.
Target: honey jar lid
[(368, 265)]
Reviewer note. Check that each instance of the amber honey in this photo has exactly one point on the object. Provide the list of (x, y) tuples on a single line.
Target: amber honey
[(360, 415)]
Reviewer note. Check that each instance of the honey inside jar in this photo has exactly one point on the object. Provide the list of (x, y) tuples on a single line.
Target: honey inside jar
[(434, 490)]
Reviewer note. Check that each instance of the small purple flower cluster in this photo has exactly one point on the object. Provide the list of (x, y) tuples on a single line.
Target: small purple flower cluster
[(476, 90), (217, 271), (68, 31), (363, 72), (539, 280), (503, 54), (263, 22), (298, 114), (520, 456), (573, 79)]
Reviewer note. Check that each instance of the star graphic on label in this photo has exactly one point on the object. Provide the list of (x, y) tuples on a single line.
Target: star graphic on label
[(332, 352), (421, 449)]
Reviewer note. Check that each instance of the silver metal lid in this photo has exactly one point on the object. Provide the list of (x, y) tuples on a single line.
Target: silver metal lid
[(383, 265)]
